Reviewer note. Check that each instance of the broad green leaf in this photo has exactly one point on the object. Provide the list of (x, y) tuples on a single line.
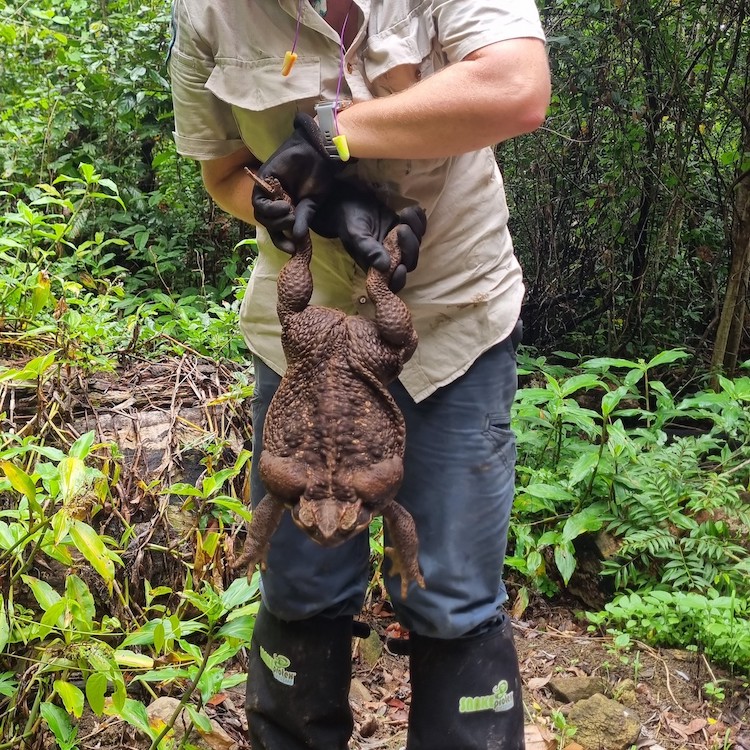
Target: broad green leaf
[(565, 560), (241, 628), (633, 377), (9, 536), (53, 454), (583, 467), (233, 505), (164, 674), (664, 358), (20, 481), (82, 447), (548, 491), (59, 722), (548, 538), (96, 688), (239, 592), (78, 591), (580, 523), (88, 172), (60, 526), (133, 712), (580, 383), (622, 641), (72, 477), (54, 617), (233, 679), (4, 626), (44, 594), (32, 370), (247, 609), (120, 694), (618, 440), (603, 363), (612, 399), (201, 721), (8, 684), (159, 636), (91, 546), (71, 696), (146, 634), (104, 182), (192, 649), (181, 488), (552, 383), (534, 562)]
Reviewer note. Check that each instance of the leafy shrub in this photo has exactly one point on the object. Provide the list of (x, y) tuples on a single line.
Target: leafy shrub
[(597, 453), (718, 625)]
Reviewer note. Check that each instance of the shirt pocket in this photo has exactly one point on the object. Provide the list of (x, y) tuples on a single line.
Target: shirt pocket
[(263, 101), (400, 48)]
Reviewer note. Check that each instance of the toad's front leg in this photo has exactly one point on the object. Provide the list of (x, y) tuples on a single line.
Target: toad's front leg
[(403, 553), (266, 519)]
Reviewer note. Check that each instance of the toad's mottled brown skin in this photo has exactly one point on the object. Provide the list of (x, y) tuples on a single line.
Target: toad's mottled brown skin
[(333, 441)]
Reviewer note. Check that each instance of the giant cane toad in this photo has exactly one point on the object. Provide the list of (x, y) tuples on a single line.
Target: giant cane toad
[(334, 437)]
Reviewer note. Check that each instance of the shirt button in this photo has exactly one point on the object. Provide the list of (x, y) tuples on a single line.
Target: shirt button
[(363, 300), (349, 68)]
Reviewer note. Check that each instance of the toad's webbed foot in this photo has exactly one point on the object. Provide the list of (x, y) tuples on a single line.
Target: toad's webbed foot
[(266, 518), (403, 554)]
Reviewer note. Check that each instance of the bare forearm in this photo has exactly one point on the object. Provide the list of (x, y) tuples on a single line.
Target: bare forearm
[(229, 185), (491, 96)]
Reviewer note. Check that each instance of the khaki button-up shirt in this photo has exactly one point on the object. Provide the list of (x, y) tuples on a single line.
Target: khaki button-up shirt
[(228, 91)]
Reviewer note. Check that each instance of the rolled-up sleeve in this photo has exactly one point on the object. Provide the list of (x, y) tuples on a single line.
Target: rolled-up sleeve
[(465, 27), (205, 127)]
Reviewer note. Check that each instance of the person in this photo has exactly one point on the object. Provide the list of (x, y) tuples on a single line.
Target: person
[(419, 91)]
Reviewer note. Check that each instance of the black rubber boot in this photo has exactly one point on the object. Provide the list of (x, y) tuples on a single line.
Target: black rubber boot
[(298, 683), (466, 693)]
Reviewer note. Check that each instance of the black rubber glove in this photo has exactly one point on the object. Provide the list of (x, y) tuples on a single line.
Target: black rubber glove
[(306, 173), (361, 222)]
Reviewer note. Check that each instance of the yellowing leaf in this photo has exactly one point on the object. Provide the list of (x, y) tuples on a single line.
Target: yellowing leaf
[(71, 696), (90, 545), (20, 480), (127, 658), (72, 477), (40, 294), (4, 626)]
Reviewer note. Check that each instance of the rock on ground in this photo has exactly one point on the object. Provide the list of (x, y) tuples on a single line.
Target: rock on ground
[(604, 724)]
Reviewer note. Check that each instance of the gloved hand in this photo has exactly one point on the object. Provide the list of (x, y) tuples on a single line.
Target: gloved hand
[(361, 222), (306, 173)]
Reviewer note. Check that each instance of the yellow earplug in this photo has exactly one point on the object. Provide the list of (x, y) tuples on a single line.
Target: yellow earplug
[(289, 59), (342, 147)]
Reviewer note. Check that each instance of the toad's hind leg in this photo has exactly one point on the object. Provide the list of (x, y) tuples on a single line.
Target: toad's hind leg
[(266, 518), (403, 553)]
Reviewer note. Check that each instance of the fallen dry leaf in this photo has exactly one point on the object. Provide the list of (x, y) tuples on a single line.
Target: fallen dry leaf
[(535, 683), (538, 738), (696, 725), (685, 730)]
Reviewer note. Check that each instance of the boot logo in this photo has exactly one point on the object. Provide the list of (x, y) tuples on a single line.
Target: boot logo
[(500, 700), (278, 664)]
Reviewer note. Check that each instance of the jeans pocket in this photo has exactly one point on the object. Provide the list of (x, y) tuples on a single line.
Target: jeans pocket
[(498, 431)]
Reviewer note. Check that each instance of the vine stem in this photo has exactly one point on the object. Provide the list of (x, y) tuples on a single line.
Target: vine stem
[(14, 742), (186, 695)]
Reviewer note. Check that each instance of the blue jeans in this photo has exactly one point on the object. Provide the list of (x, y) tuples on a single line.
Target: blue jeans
[(458, 486)]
